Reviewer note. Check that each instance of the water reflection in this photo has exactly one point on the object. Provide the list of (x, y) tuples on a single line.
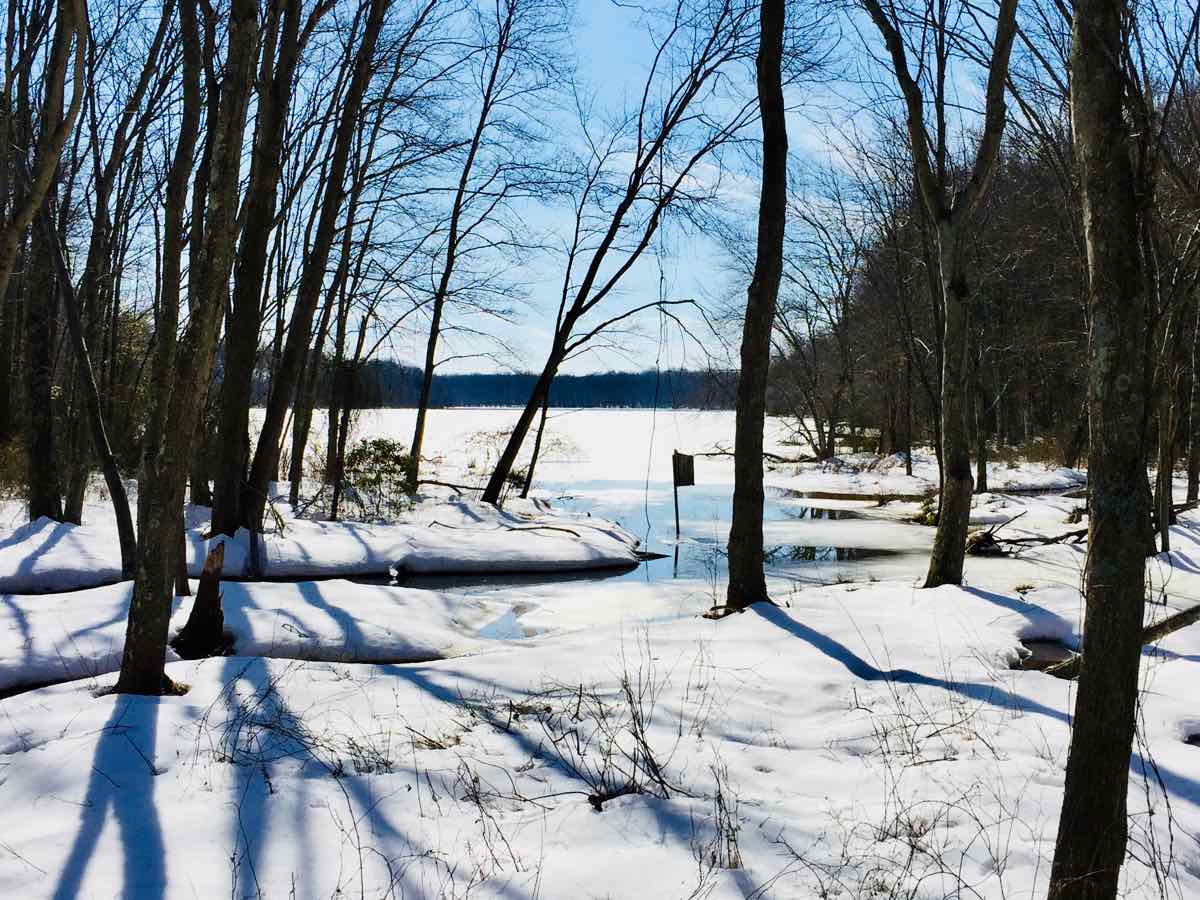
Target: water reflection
[(647, 510)]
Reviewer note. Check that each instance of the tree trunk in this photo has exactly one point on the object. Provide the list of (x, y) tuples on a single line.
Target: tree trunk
[(1193, 457), (302, 407), (45, 492), (747, 581), (302, 411), (245, 317), (283, 387), (179, 559), (339, 432), (1092, 829), (981, 430), (537, 447), (78, 452), (204, 633), (908, 415), (508, 456), (418, 440), (950, 542), (94, 412), (200, 478), (169, 437), (1163, 481), (1075, 446), (10, 349)]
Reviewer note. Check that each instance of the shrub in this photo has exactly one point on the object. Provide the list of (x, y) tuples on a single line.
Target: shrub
[(1036, 450), (928, 513), (12, 470), (377, 471)]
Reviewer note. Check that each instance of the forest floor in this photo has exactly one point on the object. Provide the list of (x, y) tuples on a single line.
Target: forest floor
[(595, 736)]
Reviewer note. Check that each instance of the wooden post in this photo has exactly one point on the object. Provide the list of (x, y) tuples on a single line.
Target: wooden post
[(675, 486), (683, 472)]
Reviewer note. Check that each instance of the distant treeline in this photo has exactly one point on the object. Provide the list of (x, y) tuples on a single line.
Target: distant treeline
[(387, 383)]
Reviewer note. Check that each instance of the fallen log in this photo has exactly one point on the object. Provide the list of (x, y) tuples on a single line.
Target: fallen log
[(1042, 539), (1076, 536), (1170, 624), (204, 634), (460, 488), (767, 455), (1070, 668), (985, 543)]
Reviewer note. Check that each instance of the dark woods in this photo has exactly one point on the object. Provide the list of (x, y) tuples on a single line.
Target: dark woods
[(385, 383)]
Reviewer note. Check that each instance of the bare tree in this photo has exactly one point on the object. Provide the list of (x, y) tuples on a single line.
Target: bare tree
[(518, 64), (822, 264), (747, 581), (126, 537), (57, 119), (286, 31), (33, 180), (950, 211), (187, 362), (1092, 829), (283, 385), (666, 142)]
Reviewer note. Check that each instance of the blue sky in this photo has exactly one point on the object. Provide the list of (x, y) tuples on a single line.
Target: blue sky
[(612, 52)]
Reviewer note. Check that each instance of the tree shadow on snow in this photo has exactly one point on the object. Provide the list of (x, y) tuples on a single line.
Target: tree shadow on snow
[(53, 535), (1033, 613), (1181, 786), (257, 776), (122, 783)]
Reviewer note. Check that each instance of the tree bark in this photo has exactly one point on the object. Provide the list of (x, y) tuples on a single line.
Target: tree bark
[(950, 542), (200, 477), (747, 580), (150, 607), (283, 386), (245, 316), (169, 438), (70, 28), (1092, 829), (1193, 453), (95, 413), (45, 490), (204, 633)]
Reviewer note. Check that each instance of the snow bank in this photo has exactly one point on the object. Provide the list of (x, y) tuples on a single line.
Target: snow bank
[(440, 536), (47, 638), (45, 555), (873, 476)]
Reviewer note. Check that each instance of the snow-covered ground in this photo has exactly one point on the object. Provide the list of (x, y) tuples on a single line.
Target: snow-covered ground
[(443, 535), (597, 737)]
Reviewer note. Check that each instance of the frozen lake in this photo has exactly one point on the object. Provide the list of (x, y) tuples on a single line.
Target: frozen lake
[(616, 464)]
